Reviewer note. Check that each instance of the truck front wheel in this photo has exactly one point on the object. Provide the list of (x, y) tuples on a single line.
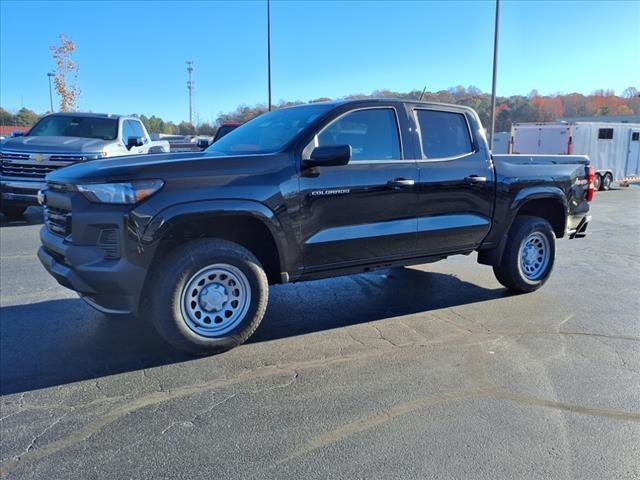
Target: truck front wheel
[(208, 296), (529, 255)]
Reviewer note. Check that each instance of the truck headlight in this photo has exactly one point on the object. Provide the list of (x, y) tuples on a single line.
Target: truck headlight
[(120, 193)]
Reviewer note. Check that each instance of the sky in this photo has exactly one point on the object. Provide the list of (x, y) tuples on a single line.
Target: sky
[(132, 54)]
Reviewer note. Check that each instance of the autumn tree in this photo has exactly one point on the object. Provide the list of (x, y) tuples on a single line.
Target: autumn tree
[(66, 74)]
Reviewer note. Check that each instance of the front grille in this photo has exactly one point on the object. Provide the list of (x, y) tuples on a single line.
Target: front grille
[(66, 158), (58, 221), (14, 169), (14, 164), (14, 156)]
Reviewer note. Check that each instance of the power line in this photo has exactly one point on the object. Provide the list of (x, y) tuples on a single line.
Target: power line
[(190, 86)]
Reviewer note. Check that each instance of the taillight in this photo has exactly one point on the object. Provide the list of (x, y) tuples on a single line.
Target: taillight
[(591, 186)]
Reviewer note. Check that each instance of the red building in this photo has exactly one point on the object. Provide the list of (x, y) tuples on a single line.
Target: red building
[(7, 130)]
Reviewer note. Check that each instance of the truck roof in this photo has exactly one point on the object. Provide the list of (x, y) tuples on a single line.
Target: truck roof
[(89, 115), (336, 103)]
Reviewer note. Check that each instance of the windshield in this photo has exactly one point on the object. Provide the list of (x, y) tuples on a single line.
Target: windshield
[(269, 132), (70, 126)]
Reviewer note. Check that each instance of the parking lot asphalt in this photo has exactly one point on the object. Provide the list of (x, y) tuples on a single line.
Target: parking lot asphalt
[(426, 372)]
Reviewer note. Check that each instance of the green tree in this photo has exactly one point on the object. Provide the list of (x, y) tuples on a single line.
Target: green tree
[(26, 117), (206, 129), (6, 118), (169, 128), (185, 128)]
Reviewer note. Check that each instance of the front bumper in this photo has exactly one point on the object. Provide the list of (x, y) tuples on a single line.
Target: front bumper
[(110, 286), (20, 192)]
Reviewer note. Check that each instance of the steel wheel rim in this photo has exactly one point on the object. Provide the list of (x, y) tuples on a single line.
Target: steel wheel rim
[(534, 255), (215, 300)]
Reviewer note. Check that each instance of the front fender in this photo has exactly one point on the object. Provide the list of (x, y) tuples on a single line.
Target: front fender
[(202, 210)]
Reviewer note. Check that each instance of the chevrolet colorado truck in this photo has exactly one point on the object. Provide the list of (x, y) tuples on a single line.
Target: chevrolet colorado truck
[(62, 139), (194, 240)]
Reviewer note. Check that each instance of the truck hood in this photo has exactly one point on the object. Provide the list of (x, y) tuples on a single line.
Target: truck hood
[(55, 144), (161, 166)]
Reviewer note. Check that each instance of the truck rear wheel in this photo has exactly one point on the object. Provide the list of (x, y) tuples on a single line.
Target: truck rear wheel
[(208, 296), (529, 255), (606, 181)]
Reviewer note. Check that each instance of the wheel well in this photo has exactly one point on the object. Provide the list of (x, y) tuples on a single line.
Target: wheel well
[(247, 231), (552, 210)]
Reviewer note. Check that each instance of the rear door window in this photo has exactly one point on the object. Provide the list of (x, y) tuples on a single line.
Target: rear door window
[(443, 134)]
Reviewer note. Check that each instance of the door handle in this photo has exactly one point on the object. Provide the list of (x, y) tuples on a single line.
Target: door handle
[(475, 179), (401, 182)]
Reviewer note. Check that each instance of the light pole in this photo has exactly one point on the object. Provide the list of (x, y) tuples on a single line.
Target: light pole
[(495, 70), (269, 49), (50, 75)]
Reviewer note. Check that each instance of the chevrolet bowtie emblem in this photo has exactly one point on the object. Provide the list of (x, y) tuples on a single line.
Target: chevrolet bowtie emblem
[(38, 157)]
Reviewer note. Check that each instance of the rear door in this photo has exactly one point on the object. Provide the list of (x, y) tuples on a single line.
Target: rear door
[(456, 183), (526, 139), (633, 156), (554, 139), (366, 210)]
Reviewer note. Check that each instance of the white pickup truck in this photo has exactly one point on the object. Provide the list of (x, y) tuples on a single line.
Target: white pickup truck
[(62, 139)]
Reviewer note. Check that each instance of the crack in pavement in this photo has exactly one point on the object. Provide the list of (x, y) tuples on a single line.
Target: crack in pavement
[(475, 373), (483, 388)]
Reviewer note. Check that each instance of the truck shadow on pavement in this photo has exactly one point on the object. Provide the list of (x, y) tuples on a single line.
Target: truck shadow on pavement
[(33, 216), (63, 341)]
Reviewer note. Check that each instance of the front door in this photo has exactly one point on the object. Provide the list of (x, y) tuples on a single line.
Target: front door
[(365, 210), (132, 128), (456, 184)]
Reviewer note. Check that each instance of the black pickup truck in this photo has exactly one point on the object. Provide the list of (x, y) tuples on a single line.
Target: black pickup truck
[(193, 240)]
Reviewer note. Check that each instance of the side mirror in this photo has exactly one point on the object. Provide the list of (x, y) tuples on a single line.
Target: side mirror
[(329, 156), (134, 142), (16, 133), (202, 143)]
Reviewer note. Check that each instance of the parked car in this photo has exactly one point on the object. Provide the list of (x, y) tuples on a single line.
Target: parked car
[(60, 140), (613, 148), (297, 194)]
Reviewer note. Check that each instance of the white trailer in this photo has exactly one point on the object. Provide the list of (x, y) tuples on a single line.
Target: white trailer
[(501, 143), (613, 148)]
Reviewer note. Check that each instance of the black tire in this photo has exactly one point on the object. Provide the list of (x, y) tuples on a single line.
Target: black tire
[(607, 181), (597, 182), (510, 272), (171, 277), (13, 212)]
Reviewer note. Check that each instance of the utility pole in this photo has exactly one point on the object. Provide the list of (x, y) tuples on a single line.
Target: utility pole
[(269, 49), (190, 87), (495, 70), (50, 75)]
